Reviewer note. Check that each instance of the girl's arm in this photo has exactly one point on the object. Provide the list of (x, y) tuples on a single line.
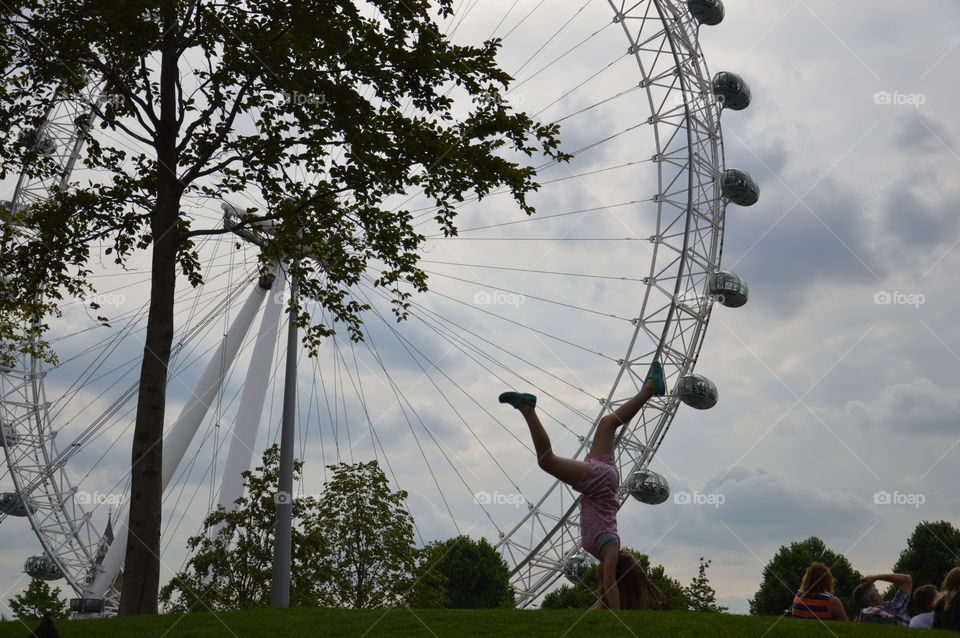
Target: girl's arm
[(608, 580), (835, 607)]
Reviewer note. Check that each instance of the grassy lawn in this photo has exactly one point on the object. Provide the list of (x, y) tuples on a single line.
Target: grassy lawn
[(271, 623)]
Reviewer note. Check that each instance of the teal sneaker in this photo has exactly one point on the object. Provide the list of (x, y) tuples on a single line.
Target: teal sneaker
[(659, 381), (516, 399)]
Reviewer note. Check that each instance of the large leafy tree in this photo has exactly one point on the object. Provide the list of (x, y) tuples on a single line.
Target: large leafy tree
[(371, 557), (784, 573), (232, 557), (932, 550), (474, 574), (30, 605), (322, 109)]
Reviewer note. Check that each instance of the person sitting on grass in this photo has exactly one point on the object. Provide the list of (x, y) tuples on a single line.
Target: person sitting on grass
[(815, 598), (623, 583), (947, 612), (871, 605), (924, 598)]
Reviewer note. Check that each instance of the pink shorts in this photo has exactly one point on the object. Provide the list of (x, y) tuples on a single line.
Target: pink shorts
[(598, 502)]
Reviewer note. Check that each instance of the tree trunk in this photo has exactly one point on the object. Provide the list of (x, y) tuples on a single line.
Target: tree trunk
[(141, 571)]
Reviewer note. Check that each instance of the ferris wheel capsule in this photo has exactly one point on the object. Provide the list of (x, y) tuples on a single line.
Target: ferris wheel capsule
[(41, 566), (697, 391), (739, 187), (728, 288), (11, 436), (6, 206), (42, 143), (648, 487), (576, 566), (708, 12), (12, 504), (732, 90)]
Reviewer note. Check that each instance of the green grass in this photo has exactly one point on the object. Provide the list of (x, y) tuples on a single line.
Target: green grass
[(316, 623)]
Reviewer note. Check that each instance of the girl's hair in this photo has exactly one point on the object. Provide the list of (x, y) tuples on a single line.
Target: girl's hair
[(950, 589), (636, 589), (924, 597), (817, 580)]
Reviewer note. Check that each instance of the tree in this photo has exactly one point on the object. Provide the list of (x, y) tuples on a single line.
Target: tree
[(700, 594), (474, 574), (932, 550), (584, 593), (231, 561), (783, 574), (371, 557), (202, 99), (30, 605)]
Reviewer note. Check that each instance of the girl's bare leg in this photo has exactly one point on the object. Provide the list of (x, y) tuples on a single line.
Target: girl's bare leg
[(607, 427), (570, 471)]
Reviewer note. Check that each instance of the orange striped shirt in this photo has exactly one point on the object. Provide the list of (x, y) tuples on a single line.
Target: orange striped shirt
[(812, 606)]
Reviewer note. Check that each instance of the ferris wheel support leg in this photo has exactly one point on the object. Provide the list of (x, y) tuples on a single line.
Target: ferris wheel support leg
[(251, 402), (178, 439)]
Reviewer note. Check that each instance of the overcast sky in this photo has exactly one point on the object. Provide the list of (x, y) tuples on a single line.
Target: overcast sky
[(837, 380)]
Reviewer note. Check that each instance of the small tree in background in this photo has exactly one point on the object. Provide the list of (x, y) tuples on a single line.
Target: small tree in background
[(232, 558), (36, 599), (584, 593), (371, 558), (783, 574), (474, 573), (700, 594)]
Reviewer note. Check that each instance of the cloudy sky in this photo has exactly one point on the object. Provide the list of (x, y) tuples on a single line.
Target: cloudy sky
[(837, 380)]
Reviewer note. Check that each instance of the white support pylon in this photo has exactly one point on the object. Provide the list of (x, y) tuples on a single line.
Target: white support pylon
[(178, 439), (254, 394)]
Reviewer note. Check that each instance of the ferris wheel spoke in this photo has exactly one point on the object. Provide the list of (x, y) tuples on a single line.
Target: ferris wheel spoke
[(435, 365), (530, 296), (469, 343)]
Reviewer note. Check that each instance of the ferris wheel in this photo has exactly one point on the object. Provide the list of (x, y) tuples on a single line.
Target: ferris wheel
[(620, 266)]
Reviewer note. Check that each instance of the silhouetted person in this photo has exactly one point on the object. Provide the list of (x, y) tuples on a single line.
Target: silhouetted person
[(45, 629)]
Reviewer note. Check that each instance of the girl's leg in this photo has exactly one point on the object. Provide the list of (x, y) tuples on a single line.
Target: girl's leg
[(570, 471), (607, 427)]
